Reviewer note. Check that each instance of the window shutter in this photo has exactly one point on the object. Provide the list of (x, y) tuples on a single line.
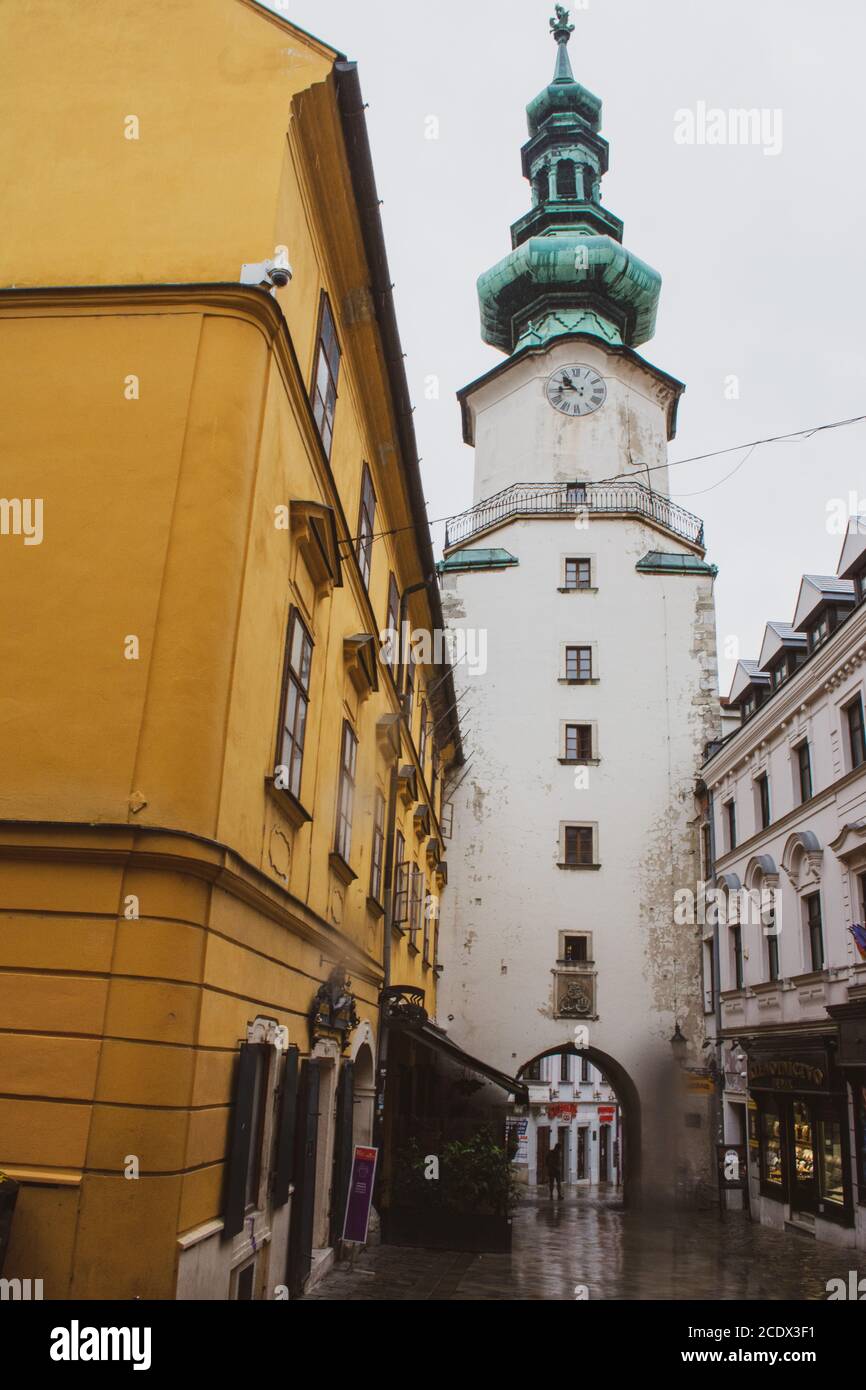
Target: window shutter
[(286, 1136), (239, 1144), (300, 1251), (342, 1147)]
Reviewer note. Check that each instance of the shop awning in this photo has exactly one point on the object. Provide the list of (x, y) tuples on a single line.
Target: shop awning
[(435, 1038)]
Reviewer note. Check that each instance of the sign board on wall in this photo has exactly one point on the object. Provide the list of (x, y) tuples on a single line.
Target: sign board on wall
[(731, 1164)]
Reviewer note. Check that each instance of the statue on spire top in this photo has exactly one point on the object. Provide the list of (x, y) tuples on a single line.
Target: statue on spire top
[(560, 26)]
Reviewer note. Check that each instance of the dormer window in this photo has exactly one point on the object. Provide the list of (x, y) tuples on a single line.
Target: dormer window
[(819, 631)]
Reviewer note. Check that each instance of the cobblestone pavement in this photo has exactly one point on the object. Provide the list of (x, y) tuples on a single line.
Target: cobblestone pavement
[(589, 1239)]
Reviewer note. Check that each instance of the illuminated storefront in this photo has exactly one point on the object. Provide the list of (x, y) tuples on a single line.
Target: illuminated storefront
[(802, 1127), (850, 1019)]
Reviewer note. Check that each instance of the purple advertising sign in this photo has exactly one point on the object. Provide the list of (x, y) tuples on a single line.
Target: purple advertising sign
[(360, 1194)]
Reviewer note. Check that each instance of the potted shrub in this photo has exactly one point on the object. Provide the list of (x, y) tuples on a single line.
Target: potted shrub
[(466, 1205)]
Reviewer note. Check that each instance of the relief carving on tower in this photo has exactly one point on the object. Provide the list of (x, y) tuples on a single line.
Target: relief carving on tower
[(574, 994)]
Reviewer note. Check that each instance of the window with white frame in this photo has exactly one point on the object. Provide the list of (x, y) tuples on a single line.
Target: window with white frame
[(813, 932), (856, 732)]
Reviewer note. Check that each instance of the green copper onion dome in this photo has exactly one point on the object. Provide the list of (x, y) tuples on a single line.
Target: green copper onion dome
[(567, 272)]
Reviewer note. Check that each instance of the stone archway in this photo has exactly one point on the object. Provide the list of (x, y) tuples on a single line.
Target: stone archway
[(630, 1109)]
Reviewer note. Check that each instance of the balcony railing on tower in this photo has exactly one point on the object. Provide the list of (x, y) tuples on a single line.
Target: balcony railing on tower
[(571, 499)]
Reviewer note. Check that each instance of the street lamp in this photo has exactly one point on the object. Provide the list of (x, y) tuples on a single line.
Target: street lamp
[(679, 1044)]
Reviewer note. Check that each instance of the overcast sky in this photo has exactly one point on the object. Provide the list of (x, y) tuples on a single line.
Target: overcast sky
[(762, 256)]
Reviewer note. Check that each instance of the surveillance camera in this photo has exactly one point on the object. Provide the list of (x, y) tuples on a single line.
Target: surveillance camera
[(279, 270), (272, 273)]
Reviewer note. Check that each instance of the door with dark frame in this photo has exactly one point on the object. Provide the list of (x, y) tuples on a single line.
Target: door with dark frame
[(542, 1135), (604, 1153)]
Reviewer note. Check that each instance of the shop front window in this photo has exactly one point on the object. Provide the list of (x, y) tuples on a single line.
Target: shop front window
[(771, 1148), (860, 1104), (831, 1164), (804, 1151)]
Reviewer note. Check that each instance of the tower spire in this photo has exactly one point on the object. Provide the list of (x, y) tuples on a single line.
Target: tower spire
[(562, 32), (568, 271)]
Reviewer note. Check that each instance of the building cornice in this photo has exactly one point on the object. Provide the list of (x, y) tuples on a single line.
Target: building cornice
[(180, 851), (288, 26), (822, 672)]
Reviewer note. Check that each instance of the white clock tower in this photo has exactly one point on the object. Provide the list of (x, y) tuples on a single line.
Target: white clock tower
[(576, 820)]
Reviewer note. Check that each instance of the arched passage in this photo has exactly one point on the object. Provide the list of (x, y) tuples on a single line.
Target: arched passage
[(629, 1104), (365, 1091)]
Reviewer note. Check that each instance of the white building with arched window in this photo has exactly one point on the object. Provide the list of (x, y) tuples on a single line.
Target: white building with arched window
[(785, 946)]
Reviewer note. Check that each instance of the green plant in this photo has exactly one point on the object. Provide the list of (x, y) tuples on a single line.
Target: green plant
[(475, 1175)]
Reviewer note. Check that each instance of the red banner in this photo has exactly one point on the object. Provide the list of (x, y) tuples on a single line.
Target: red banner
[(562, 1110)]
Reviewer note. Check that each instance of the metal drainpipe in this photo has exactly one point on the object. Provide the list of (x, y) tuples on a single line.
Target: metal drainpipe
[(391, 823), (717, 983)]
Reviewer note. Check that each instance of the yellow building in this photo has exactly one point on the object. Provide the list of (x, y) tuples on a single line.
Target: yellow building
[(219, 807)]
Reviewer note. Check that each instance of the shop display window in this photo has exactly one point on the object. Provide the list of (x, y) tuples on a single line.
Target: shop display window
[(860, 1108), (804, 1147), (771, 1148), (831, 1161)]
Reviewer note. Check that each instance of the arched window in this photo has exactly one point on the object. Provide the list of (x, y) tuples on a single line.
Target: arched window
[(588, 183), (566, 186), (541, 185)]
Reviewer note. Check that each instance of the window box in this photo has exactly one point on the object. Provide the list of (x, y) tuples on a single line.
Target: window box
[(407, 784), (344, 872), (375, 908), (359, 657), (313, 528), (296, 814)]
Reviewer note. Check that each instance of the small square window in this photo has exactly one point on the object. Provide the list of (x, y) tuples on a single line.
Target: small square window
[(578, 844), (578, 663), (575, 949), (578, 574), (578, 742)]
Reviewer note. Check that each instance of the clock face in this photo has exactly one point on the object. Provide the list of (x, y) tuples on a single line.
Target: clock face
[(576, 390)]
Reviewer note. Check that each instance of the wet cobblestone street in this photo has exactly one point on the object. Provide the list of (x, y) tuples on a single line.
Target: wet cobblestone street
[(589, 1239)]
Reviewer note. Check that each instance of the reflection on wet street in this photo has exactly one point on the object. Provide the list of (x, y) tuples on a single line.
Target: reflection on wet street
[(589, 1241)]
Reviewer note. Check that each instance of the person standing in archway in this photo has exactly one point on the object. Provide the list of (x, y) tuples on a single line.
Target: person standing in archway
[(554, 1170)]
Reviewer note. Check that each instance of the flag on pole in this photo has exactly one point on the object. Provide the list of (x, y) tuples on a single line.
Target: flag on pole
[(858, 931)]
